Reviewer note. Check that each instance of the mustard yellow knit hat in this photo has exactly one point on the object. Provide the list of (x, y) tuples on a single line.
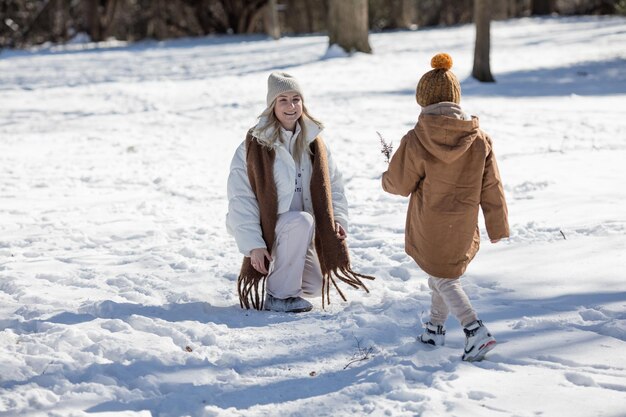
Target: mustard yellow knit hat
[(439, 84)]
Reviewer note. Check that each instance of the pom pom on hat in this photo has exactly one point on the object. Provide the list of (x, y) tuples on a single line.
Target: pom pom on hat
[(441, 61), (440, 84)]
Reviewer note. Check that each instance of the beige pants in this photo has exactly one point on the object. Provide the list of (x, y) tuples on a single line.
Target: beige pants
[(448, 296), (295, 270)]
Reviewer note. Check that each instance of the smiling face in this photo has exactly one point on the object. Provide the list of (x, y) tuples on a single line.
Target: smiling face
[(288, 109)]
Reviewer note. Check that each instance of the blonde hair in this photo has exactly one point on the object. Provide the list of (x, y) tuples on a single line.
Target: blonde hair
[(271, 122)]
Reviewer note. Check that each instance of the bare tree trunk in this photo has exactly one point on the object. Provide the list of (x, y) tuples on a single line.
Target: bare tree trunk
[(542, 7), (297, 16), (499, 10), (59, 24), (309, 16), (22, 36), (403, 14), (482, 68), (348, 25), (270, 21), (245, 13), (92, 18), (454, 12), (100, 20), (207, 20), (512, 9), (256, 16), (109, 18), (157, 25), (428, 12)]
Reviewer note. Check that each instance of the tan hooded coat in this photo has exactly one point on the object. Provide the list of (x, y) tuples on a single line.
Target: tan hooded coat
[(448, 167)]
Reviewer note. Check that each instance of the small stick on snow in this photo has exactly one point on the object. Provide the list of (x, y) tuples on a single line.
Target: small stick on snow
[(361, 354)]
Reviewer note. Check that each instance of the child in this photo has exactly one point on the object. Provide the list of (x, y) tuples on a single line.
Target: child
[(447, 165)]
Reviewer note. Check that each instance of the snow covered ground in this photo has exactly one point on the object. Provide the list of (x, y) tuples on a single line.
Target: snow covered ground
[(117, 277)]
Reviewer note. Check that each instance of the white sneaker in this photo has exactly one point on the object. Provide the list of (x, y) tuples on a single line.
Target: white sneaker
[(287, 305), (478, 341), (433, 335)]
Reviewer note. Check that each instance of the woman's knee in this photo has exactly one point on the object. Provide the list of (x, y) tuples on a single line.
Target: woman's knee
[(306, 219), (298, 219)]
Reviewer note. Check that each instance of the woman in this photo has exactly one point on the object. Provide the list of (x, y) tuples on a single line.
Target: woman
[(283, 190)]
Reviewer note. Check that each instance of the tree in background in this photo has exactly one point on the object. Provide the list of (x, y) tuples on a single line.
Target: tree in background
[(569, 7), (242, 15), (443, 12), (270, 19), (164, 19), (403, 14), (303, 16), (392, 14), (542, 7), (23, 22), (482, 67), (30, 22), (98, 17), (348, 25)]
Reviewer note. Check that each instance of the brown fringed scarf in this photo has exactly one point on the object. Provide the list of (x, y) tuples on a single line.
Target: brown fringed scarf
[(331, 251)]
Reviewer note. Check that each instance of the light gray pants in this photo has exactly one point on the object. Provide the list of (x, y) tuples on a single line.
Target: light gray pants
[(448, 296), (295, 270)]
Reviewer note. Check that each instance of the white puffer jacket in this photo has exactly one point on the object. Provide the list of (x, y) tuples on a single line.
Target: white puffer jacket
[(242, 219)]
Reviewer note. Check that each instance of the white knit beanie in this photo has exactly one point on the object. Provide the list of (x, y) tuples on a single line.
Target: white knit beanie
[(281, 82)]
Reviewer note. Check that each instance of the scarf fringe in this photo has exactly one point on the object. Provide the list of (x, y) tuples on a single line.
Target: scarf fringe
[(348, 276), (251, 296), (248, 290)]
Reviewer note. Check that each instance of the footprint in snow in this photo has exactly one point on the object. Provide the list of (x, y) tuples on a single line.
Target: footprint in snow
[(580, 379)]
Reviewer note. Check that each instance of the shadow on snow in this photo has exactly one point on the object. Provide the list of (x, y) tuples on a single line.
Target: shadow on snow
[(162, 396), (600, 78)]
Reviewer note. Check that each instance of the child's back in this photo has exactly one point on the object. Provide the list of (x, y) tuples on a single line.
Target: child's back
[(447, 165)]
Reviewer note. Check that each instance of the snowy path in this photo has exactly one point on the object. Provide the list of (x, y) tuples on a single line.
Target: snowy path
[(117, 277)]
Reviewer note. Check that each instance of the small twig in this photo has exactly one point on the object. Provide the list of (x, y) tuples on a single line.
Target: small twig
[(46, 368), (361, 354), (387, 148), (563, 234)]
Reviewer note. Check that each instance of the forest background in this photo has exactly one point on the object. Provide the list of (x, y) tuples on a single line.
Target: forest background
[(24, 23)]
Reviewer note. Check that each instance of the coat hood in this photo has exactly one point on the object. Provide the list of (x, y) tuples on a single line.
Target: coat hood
[(446, 131)]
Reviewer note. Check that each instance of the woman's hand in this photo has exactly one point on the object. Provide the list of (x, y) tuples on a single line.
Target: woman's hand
[(340, 231), (257, 259)]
